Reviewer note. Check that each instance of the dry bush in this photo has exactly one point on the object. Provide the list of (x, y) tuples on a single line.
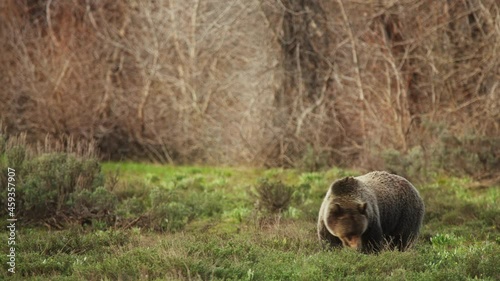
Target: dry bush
[(56, 80), (273, 197)]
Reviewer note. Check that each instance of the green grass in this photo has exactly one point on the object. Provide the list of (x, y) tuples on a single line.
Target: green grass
[(220, 235)]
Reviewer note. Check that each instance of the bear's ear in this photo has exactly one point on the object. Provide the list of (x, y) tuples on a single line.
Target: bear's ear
[(362, 207), (343, 186), (348, 180)]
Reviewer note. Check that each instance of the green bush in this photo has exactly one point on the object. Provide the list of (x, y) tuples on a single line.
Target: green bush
[(476, 156), (131, 208), (410, 165), (56, 185), (95, 207), (166, 214), (50, 182)]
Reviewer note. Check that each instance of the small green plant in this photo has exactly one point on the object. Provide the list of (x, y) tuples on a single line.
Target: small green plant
[(444, 240), (311, 178), (238, 214)]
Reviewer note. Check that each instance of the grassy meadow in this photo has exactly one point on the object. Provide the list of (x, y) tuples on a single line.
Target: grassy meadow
[(204, 223)]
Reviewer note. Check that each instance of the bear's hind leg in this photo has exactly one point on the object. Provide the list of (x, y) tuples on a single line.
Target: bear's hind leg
[(404, 239)]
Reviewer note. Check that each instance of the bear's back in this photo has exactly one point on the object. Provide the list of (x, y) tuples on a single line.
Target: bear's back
[(395, 195), (388, 186)]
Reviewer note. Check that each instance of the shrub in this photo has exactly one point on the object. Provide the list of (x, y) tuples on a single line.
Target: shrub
[(476, 156), (50, 181), (166, 214), (273, 197), (471, 155), (56, 185), (98, 205), (131, 208), (410, 165)]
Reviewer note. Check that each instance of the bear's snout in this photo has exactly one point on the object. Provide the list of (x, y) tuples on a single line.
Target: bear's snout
[(353, 242)]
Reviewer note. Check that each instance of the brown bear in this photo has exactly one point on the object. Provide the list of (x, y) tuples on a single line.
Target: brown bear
[(371, 212)]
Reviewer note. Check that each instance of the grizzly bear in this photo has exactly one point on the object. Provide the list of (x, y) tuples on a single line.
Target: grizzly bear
[(371, 212)]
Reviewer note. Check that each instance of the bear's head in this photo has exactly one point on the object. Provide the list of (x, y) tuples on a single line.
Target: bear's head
[(347, 221)]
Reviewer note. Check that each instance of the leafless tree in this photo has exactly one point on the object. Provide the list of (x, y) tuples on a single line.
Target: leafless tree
[(260, 82)]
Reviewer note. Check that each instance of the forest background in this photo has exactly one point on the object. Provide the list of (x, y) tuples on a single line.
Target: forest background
[(406, 86)]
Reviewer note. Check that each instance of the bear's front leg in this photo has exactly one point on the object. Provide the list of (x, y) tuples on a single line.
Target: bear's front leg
[(373, 240)]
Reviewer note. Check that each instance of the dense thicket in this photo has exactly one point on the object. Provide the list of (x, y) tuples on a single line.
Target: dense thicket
[(401, 85)]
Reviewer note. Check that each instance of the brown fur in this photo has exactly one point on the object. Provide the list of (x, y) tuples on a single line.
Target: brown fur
[(367, 211)]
